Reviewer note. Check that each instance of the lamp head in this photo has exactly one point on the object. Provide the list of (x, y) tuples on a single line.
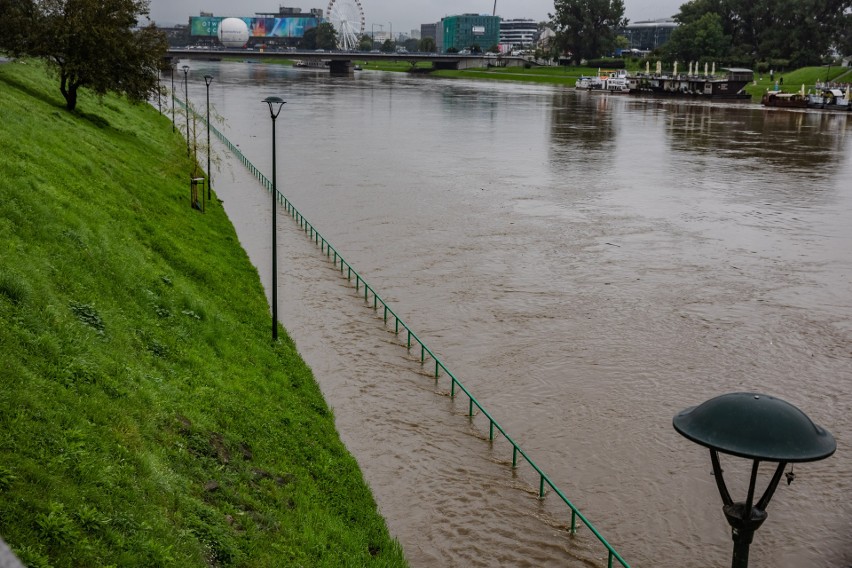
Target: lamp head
[(275, 104), (208, 79), (755, 426), (185, 69)]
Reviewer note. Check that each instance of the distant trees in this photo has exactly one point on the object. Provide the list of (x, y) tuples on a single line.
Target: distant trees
[(427, 45), (309, 39), (388, 46), (701, 38), (93, 44), (326, 36), (365, 43), (798, 31), (844, 42), (321, 37), (587, 28), (411, 44)]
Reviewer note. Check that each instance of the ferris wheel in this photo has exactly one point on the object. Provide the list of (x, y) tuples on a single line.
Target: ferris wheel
[(347, 17)]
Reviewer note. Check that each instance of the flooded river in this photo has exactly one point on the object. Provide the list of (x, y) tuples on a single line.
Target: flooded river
[(588, 266)]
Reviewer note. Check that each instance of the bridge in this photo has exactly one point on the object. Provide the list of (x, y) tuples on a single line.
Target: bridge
[(341, 63)]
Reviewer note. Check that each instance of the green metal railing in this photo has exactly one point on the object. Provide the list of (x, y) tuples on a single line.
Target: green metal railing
[(413, 340)]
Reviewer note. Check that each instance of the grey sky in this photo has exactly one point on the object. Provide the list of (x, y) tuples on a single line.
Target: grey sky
[(402, 15)]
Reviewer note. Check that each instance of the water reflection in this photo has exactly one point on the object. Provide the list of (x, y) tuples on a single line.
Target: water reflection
[(792, 142)]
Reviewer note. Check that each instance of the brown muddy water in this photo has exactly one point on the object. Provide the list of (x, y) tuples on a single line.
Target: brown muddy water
[(587, 266)]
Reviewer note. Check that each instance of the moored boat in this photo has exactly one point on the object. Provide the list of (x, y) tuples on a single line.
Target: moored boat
[(784, 100), (705, 85), (609, 81), (830, 99)]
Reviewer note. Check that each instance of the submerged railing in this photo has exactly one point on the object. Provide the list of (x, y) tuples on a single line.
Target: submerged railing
[(412, 339)]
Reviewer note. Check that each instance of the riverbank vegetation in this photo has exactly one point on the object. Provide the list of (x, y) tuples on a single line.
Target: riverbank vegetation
[(92, 44), (568, 75), (751, 33), (148, 419)]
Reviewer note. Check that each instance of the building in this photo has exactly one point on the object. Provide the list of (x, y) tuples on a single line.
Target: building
[(428, 30), (285, 27), (469, 30), (648, 35), (518, 33)]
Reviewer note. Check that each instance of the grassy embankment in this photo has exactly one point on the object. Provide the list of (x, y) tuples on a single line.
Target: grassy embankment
[(146, 418), (793, 80)]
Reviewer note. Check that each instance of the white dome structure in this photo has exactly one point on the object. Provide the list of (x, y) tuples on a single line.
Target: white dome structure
[(233, 32)]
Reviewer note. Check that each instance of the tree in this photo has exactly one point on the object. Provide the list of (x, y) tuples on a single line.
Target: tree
[(844, 42), (309, 39), (93, 44), (388, 46), (800, 31), (326, 36), (702, 38), (366, 43), (427, 45), (411, 44), (587, 28)]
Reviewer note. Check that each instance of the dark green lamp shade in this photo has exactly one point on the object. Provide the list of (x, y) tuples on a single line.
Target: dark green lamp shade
[(755, 426)]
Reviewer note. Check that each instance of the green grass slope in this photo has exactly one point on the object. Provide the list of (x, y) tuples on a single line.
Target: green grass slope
[(146, 418)]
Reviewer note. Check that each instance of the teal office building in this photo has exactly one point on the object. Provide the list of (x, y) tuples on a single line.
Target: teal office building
[(468, 30)]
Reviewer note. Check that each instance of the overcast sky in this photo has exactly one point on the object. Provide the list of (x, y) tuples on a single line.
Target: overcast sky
[(402, 15)]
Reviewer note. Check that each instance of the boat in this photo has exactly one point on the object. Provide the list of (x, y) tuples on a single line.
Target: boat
[(830, 99), (784, 100), (694, 84), (609, 81), (311, 63)]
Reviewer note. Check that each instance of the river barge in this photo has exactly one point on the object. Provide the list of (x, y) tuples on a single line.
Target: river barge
[(706, 86), (822, 99), (777, 99)]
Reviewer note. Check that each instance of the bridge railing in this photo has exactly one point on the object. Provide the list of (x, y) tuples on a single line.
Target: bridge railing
[(413, 342)]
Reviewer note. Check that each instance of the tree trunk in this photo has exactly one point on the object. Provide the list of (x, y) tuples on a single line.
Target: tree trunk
[(68, 88), (71, 98)]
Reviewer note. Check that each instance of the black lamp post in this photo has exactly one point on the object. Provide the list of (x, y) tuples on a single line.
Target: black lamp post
[(186, 102), (207, 80), (274, 111), (172, 69), (757, 427)]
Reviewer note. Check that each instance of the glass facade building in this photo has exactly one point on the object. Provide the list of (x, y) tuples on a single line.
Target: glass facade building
[(465, 31), (518, 32), (649, 35)]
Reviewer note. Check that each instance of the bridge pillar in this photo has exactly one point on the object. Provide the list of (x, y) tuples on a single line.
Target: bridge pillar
[(439, 65), (341, 68)]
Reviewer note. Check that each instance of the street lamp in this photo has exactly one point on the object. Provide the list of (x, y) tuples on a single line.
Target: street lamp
[(186, 101), (274, 111), (757, 427), (172, 69), (207, 80)]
